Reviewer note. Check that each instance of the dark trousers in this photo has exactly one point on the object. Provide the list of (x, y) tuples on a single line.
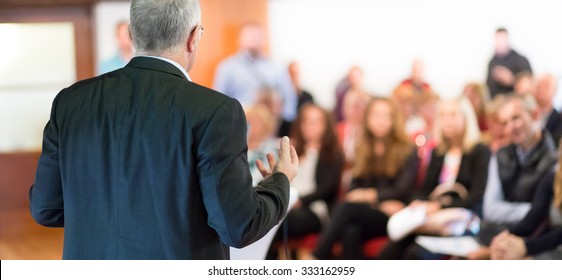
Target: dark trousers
[(352, 224), (299, 222)]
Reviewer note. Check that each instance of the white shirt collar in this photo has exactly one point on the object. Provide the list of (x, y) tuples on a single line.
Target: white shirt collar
[(171, 62)]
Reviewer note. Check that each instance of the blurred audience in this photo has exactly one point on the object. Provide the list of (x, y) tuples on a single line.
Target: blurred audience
[(320, 167), (352, 80), (524, 83), (450, 187), (125, 50), (384, 174), (478, 97), (551, 119), (495, 137), (413, 92), (261, 140), (504, 65), (521, 240), (304, 97), (515, 170), (249, 72), (348, 130)]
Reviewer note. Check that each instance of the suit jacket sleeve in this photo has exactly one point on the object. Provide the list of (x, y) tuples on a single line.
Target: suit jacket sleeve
[(239, 213), (45, 195)]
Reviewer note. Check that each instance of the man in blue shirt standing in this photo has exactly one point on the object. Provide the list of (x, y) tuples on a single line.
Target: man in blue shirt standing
[(249, 72)]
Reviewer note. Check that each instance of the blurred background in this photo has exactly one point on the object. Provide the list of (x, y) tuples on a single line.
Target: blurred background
[(47, 45)]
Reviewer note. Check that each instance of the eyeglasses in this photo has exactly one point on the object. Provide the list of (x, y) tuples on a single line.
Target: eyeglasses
[(201, 29)]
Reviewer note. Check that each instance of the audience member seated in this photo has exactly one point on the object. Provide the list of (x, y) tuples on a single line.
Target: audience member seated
[(551, 119), (478, 98), (455, 181), (248, 72), (384, 173), (519, 241), (261, 127), (348, 130), (515, 170), (496, 136), (352, 80), (303, 97), (524, 83), (320, 168), (413, 91)]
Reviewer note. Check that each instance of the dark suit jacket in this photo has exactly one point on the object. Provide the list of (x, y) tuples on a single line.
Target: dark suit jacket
[(328, 177), (472, 174), (140, 163), (554, 126)]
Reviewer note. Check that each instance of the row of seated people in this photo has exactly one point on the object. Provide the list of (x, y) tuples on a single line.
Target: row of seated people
[(385, 170)]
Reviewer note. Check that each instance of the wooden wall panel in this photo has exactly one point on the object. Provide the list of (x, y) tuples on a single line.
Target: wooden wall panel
[(80, 16)]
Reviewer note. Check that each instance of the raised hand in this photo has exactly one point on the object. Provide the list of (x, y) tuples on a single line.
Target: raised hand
[(288, 161)]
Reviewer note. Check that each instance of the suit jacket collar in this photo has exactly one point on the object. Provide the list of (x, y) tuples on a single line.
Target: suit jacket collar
[(155, 64)]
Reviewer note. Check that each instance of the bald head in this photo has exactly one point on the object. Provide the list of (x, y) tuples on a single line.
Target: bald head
[(545, 91)]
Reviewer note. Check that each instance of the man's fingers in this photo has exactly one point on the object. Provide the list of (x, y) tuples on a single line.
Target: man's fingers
[(284, 154), (271, 160), (263, 170), (294, 156)]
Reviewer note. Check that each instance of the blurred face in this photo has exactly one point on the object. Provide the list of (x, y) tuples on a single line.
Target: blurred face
[(354, 109), (452, 121), (417, 70), (313, 125), (473, 97), (545, 91), (501, 43), (355, 76), (517, 121), (294, 72), (251, 39), (523, 86), (379, 120), (257, 130)]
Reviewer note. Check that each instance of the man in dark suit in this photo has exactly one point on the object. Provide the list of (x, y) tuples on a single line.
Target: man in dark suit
[(142, 163), (505, 65)]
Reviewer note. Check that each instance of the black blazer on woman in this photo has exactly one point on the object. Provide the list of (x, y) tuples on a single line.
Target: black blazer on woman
[(141, 163), (328, 177), (473, 175)]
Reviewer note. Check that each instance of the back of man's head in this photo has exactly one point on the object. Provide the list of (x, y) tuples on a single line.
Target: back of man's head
[(162, 26)]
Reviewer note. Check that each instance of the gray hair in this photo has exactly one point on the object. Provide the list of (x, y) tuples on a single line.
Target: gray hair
[(162, 26)]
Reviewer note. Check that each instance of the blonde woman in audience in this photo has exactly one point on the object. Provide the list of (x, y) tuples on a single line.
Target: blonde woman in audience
[(496, 136), (261, 140), (383, 175), (320, 168), (455, 180), (517, 242)]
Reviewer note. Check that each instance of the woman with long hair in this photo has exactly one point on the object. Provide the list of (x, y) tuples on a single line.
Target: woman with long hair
[(319, 173), (453, 188), (383, 176)]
